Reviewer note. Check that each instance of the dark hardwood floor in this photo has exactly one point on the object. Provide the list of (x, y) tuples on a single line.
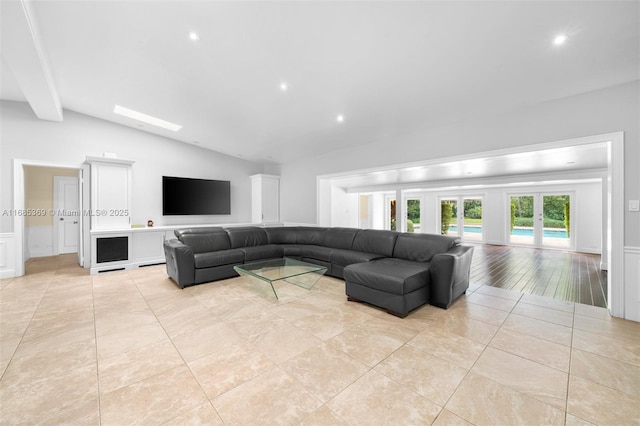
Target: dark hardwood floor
[(563, 275)]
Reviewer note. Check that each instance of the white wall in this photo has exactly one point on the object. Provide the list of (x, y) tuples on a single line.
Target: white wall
[(604, 111), (23, 136)]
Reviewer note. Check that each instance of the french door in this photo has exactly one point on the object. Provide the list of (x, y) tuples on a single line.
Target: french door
[(541, 220), (412, 213), (462, 216)]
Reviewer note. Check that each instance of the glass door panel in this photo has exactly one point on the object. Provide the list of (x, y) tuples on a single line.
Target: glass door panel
[(391, 218), (412, 210), (449, 217), (522, 226), (556, 218), (472, 219)]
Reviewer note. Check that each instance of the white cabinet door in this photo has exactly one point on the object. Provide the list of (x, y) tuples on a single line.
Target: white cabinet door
[(265, 199), (147, 246), (110, 194), (270, 200)]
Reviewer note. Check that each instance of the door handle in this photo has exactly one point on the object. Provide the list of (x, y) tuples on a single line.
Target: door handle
[(75, 221)]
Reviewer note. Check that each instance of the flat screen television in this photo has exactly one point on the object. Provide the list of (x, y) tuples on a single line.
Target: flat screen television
[(187, 196)]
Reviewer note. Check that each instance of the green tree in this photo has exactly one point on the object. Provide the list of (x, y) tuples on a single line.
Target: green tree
[(413, 211), (446, 214), (410, 227), (553, 206), (473, 209), (523, 206)]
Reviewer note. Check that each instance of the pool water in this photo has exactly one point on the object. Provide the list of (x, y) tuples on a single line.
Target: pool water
[(528, 232)]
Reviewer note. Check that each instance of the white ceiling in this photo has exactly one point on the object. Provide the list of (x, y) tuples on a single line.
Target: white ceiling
[(583, 162), (387, 66)]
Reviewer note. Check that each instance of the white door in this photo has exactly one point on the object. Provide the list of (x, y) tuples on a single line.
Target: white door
[(67, 217)]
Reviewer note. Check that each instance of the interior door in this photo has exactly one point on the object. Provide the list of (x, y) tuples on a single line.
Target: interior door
[(67, 217)]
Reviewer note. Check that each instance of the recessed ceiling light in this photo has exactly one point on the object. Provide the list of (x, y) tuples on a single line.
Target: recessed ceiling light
[(283, 86), (146, 118), (340, 118), (193, 36), (560, 39)]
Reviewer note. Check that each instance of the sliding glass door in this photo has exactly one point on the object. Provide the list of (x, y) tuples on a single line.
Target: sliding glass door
[(541, 220)]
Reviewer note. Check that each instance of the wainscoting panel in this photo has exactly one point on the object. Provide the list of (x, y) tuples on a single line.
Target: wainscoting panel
[(39, 241), (7, 255), (632, 283)]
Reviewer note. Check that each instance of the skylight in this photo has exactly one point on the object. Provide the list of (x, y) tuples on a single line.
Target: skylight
[(146, 118)]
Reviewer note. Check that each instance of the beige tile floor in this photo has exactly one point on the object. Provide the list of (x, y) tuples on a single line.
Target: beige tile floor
[(130, 347)]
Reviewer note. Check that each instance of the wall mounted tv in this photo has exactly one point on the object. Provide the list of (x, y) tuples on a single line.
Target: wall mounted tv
[(187, 196)]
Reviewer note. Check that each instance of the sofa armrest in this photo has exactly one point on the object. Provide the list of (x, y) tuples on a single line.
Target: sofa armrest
[(180, 262), (450, 275)]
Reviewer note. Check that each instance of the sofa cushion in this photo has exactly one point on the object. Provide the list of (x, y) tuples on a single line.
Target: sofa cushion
[(422, 247), (395, 276), (292, 250), (341, 238), (268, 251), (281, 235), (375, 241), (248, 236), (203, 240), (309, 235), (317, 252), (218, 258), (347, 257)]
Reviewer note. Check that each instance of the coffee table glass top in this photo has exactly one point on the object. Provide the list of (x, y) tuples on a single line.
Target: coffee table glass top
[(296, 272)]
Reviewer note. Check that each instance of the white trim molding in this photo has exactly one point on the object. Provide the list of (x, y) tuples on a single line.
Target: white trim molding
[(632, 283), (7, 255)]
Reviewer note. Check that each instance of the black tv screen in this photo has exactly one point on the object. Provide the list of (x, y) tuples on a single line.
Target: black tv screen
[(186, 196)]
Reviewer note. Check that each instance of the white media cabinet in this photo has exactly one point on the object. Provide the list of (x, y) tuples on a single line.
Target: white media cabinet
[(128, 248), (137, 247)]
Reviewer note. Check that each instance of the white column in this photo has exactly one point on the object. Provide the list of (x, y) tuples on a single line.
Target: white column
[(401, 215)]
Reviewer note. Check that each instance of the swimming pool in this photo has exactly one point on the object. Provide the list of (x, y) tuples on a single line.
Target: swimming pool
[(527, 232)]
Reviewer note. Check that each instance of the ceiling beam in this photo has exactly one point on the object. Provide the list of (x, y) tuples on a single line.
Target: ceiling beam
[(24, 54)]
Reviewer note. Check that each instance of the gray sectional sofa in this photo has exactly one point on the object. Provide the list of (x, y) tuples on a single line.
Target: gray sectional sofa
[(395, 271)]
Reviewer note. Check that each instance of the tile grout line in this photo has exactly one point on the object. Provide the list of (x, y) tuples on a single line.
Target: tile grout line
[(185, 363), (26, 328), (95, 335), (566, 402), (474, 363)]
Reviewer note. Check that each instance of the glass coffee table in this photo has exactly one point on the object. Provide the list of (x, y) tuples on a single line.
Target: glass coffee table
[(296, 272)]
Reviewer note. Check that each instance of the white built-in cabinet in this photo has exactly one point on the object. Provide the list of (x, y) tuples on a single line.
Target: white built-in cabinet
[(265, 199), (111, 189)]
